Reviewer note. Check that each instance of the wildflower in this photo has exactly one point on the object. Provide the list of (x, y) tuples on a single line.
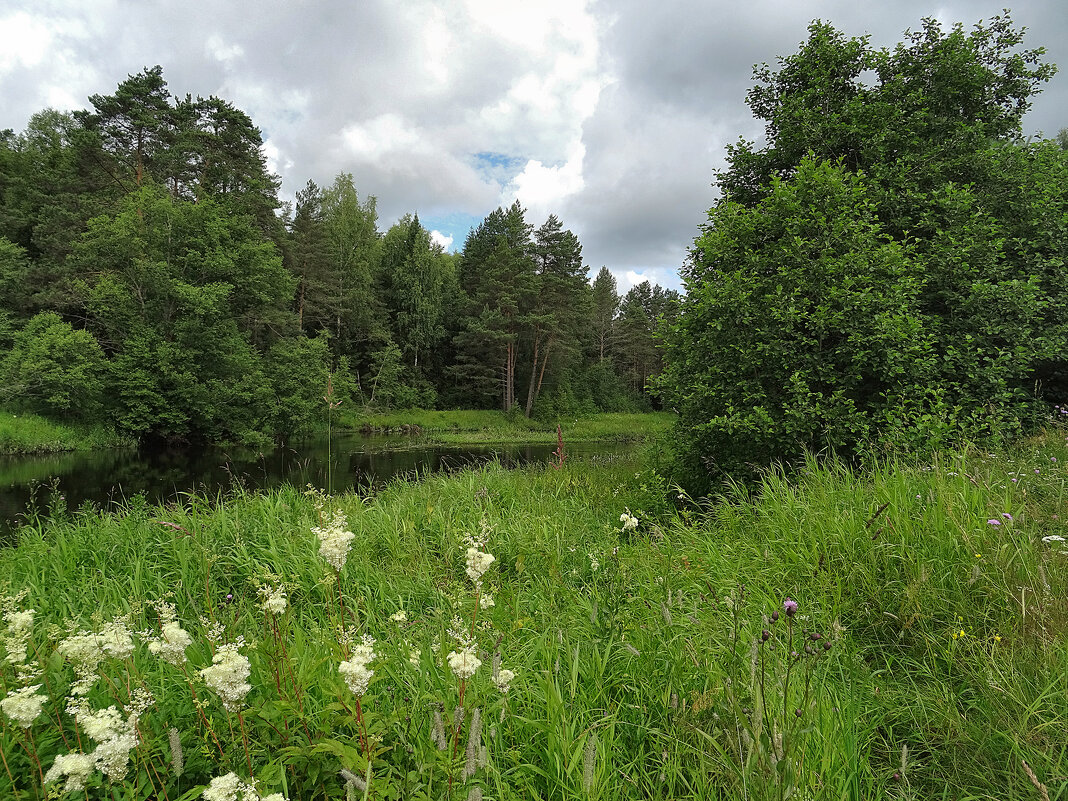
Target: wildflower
[(75, 767), (503, 679), (23, 705), (116, 639), (993, 522), (19, 628), (112, 756), (478, 563), (789, 606), (414, 657), (84, 653), (274, 599), (355, 671), (399, 616), (228, 675), (594, 564), (1007, 516), (104, 724), (978, 556), (334, 540), (229, 788), (628, 520), (464, 662), (485, 601), (171, 644)]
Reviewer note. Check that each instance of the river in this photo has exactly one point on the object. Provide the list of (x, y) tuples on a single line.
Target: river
[(109, 478)]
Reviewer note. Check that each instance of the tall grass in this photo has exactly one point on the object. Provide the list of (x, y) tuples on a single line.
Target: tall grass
[(642, 669), (30, 433), (468, 426)]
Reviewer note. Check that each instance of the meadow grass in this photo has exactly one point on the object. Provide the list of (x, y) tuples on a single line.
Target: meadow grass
[(648, 661), (470, 427), (31, 433)]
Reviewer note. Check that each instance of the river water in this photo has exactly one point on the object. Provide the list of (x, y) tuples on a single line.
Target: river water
[(109, 478)]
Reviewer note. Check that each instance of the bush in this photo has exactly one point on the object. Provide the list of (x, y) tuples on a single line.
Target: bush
[(55, 370)]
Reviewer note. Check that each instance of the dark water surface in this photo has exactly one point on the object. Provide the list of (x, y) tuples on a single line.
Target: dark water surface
[(164, 474)]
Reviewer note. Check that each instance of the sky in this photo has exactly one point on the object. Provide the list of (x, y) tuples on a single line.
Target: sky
[(612, 115)]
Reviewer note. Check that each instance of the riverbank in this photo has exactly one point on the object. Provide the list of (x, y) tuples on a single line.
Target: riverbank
[(899, 633), (489, 427), (30, 433)]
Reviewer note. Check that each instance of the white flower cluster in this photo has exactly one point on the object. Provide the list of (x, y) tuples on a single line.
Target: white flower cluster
[(172, 641), (114, 732), (1056, 538), (334, 540), (274, 599), (23, 705), (478, 562), (85, 654), (485, 601), (464, 662), (116, 639), (354, 670), (400, 616), (75, 768), (503, 679), (228, 674), (17, 637), (171, 644), (231, 788), (629, 521)]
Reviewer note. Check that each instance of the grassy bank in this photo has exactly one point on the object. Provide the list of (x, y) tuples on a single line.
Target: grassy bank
[(648, 661), (30, 433), (480, 426)]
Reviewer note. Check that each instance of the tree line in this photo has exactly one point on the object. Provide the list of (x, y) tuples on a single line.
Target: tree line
[(151, 277)]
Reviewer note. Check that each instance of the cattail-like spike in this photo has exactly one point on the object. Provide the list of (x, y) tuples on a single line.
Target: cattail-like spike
[(474, 744), (589, 764), (177, 755), (437, 732)]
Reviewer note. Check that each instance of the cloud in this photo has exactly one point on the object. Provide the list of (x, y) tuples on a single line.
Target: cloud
[(612, 115), (441, 239)]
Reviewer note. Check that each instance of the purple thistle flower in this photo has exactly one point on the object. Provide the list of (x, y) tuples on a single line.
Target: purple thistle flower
[(789, 606)]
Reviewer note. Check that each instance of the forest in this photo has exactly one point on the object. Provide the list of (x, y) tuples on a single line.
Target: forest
[(151, 276)]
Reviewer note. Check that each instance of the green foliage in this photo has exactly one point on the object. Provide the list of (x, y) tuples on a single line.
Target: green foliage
[(53, 369), (875, 273), (297, 370)]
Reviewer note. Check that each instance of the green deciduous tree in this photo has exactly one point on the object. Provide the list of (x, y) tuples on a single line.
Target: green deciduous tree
[(888, 266)]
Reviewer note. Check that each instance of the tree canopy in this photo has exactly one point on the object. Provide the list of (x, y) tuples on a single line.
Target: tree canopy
[(887, 270)]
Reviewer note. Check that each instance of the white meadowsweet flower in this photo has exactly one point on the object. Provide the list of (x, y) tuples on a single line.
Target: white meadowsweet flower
[(103, 724), (17, 637), (75, 768), (354, 670), (400, 616), (485, 601), (228, 675), (171, 644), (478, 562), (629, 521), (23, 705), (464, 662), (503, 678), (414, 656), (274, 599), (334, 540), (112, 757), (116, 639), (84, 653)]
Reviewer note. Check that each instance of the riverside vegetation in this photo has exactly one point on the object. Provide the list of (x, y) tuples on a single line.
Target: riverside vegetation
[(556, 632)]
